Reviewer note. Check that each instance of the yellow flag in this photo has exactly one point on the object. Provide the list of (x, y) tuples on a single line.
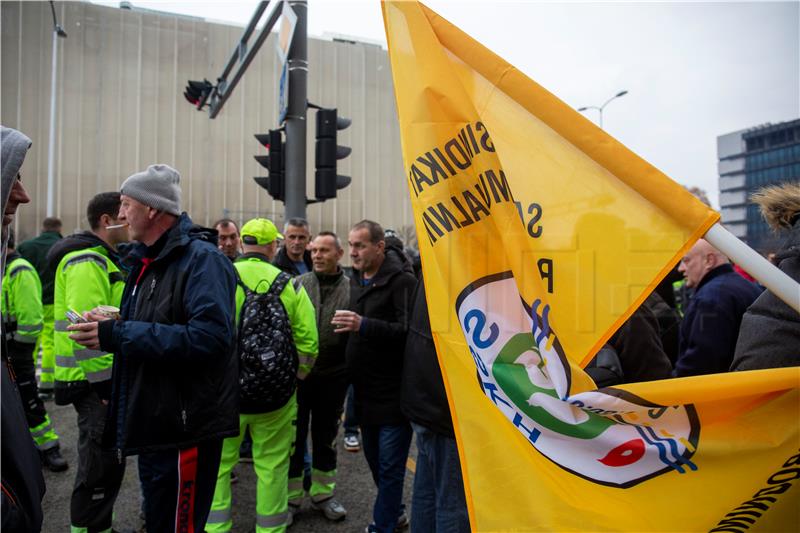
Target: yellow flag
[(539, 235)]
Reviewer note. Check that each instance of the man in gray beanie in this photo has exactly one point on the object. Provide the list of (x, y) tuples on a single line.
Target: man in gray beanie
[(175, 377), (22, 471)]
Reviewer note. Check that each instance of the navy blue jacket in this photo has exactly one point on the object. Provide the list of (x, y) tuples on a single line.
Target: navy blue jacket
[(175, 376), (711, 323)]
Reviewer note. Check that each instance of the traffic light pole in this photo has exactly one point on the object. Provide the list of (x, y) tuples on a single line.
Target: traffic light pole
[(296, 115)]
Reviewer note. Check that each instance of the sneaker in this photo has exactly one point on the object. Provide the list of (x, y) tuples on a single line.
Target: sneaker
[(53, 460), (332, 509), (402, 522), (292, 510), (351, 443)]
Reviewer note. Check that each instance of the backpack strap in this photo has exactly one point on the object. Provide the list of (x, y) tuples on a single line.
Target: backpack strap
[(279, 284), (240, 283)]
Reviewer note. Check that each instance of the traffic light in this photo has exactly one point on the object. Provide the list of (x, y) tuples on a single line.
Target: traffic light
[(197, 92), (275, 184), (328, 152)]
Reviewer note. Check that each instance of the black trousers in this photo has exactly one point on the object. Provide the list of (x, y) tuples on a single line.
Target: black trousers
[(320, 400), (178, 487), (20, 355), (100, 472)]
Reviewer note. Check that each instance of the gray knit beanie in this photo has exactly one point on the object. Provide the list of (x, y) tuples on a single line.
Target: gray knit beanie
[(158, 187)]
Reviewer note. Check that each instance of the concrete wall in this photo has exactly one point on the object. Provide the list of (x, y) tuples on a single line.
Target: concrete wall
[(120, 108)]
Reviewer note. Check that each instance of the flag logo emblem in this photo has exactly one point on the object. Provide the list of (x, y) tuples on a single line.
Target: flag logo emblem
[(608, 436)]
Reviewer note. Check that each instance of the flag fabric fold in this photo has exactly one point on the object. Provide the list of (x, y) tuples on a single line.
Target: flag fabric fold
[(540, 234)]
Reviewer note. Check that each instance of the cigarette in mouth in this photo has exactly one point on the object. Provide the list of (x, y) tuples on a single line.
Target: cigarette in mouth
[(115, 226)]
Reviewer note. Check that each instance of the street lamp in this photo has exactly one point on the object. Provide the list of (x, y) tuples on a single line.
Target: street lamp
[(600, 109), (58, 31)]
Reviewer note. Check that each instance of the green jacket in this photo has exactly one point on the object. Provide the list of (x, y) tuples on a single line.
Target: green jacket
[(85, 278), (22, 300), (258, 274), (35, 250)]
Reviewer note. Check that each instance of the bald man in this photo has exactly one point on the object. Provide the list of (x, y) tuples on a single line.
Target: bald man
[(711, 324)]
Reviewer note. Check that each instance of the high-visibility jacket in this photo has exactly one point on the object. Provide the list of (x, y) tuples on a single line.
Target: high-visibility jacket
[(85, 279), (22, 301), (258, 274)]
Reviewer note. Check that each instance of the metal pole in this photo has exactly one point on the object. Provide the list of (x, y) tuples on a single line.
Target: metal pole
[(296, 115), (773, 278), (51, 147)]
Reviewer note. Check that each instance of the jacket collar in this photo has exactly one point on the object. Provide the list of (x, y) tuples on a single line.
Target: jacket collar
[(390, 267), (253, 255), (714, 273)]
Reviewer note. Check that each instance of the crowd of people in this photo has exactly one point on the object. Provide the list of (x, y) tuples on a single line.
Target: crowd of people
[(196, 348)]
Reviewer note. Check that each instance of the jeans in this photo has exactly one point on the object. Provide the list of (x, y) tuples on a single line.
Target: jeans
[(386, 449), (438, 503), (350, 420)]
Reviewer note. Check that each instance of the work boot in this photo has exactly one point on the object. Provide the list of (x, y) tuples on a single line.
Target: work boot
[(53, 460)]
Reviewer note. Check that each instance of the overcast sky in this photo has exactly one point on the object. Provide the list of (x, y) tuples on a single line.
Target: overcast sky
[(693, 70)]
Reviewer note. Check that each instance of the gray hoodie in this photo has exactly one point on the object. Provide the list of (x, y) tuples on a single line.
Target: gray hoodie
[(14, 145)]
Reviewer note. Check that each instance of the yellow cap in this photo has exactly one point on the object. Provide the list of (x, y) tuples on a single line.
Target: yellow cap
[(259, 231)]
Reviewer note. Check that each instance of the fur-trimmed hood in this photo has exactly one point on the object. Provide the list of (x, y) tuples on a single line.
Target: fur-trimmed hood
[(780, 204)]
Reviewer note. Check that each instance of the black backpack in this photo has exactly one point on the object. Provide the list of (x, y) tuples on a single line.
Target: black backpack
[(268, 359)]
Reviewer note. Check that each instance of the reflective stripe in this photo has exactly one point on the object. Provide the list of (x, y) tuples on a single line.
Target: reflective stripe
[(100, 375), (66, 361), (309, 360), (86, 354), (219, 517), (46, 370), (295, 484), (61, 325), (24, 339), (98, 259), (273, 520), (19, 269), (33, 328), (47, 445), (323, 477), (41, 432)]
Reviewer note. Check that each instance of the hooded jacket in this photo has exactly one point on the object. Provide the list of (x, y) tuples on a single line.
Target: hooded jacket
[(770, 333), (374, 355), (22, 481), (175, 371), (87, 275)]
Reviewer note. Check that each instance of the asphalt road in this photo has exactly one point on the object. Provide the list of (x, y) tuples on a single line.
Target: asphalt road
[(355, 490)]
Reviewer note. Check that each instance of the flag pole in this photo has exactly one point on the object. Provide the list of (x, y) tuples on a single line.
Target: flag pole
[(754, 264)]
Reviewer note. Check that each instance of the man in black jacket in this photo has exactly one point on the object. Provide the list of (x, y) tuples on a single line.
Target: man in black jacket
[(293, 257), (23, 483), (381, 291), (175, 379), (438, 502)]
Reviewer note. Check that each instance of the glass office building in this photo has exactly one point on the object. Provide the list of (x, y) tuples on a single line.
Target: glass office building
[(749, 160)]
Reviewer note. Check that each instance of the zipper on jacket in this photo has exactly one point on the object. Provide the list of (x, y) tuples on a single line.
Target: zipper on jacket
[(119, 455), (183, 417), (152, 288)]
